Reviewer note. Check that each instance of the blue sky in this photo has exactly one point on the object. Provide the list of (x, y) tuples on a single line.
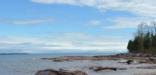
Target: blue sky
[(71, 25)]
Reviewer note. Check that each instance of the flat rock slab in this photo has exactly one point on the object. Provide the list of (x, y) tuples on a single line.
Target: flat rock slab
[(60, 72)]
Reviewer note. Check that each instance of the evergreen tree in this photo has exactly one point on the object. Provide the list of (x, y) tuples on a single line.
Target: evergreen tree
[(145, 39)]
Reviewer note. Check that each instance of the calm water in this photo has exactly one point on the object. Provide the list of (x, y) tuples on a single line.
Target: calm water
[(29, 64)]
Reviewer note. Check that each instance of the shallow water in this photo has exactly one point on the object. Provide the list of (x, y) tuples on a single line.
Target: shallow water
[(29, 64)]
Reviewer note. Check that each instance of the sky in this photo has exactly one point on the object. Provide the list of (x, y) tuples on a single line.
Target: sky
[(40, 26)]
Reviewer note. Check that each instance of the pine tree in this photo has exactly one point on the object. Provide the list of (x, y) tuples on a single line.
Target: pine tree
[(144, 40)]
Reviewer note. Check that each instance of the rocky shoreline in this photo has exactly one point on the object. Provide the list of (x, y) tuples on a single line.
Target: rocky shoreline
[(129, 59)]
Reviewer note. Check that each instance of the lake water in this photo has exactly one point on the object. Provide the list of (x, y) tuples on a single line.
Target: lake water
[(29, 64)]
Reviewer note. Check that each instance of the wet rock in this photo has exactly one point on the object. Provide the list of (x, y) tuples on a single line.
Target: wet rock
[(129, 62), (47, 72), (60, 72), (152, 60)]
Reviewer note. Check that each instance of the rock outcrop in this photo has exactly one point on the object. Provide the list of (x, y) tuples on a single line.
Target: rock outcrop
[(59, 72)]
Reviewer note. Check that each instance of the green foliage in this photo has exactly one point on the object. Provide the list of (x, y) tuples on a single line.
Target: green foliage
[(145, 39)]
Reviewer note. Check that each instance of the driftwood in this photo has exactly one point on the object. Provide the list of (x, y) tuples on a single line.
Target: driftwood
[(97, 69)]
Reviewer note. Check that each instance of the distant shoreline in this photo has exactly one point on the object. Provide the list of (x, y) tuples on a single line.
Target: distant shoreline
[(14, 53)]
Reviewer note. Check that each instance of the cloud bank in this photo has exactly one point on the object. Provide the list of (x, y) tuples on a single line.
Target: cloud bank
[(138, 7), (25, 21), (144, 10), (62, 43)]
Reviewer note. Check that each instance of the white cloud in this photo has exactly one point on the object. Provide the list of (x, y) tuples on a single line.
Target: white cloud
[(139, 7), (25, 22), (70, 2), (94, 23), (66, 42), (122, 23), (30, 22)]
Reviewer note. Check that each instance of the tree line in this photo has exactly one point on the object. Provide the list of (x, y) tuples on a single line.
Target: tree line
[(144, 40)]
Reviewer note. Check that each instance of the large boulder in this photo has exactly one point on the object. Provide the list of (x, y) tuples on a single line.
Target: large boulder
[(47, 72), (60, 72)]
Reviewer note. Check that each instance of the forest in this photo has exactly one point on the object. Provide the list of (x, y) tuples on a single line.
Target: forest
[(144, 40)]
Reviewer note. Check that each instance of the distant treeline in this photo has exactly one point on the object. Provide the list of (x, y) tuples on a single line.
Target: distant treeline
[(144, 40)]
